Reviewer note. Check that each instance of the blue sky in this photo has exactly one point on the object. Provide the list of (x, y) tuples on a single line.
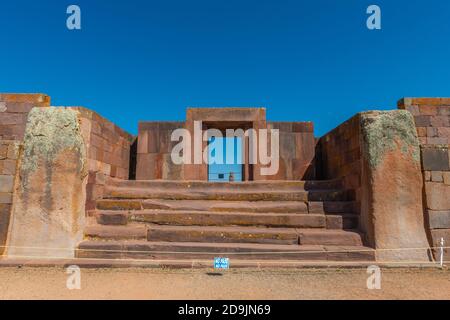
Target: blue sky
[(303, 60)]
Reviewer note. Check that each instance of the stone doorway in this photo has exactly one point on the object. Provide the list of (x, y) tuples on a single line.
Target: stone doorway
[(222, 119), (225, 159)]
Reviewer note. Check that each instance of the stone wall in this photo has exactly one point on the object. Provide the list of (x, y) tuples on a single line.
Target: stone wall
[(9, 153), (55, 152), (432, 119), (14, 110), (154, 150), (107, 151), (297, 150), (339, 155)]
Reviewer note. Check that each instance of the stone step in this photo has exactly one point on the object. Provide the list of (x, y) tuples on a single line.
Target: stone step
[(230, 206), (253, 235), (229, 195), (222, 234), (208, 218), (235, 251), (329, 237), (294, 185), (128, 232), (204, 205), (338, 221)]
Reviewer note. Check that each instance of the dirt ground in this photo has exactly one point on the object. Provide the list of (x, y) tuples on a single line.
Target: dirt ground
[(50, 283)]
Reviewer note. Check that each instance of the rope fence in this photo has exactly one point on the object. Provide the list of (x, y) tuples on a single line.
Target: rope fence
[(439, 261)]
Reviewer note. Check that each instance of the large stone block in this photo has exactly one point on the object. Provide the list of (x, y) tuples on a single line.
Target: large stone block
[(435, 159), (439, 219), (5, 197), (6, 183), (437, 195), (392, 210), (147, 166), (49, 202), (8, 167)]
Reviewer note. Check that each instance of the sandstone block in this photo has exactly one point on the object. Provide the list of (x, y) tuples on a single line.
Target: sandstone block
[(6, 183), (3, 151), (437, 141), (8, 167), (422, 131), (422, 121), (432, 132), (444, 111), (392, 206), (5, 198), (13, 150), (437, 196), (435, 159), (428, 110), (440, 121), (446, 176), (49, 208), (436, 176), (439, 219)]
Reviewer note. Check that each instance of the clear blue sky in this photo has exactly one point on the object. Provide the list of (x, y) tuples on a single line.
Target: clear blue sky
[(303, 60)]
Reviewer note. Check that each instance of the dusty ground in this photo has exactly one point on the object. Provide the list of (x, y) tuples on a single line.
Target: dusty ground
[(50, 283)]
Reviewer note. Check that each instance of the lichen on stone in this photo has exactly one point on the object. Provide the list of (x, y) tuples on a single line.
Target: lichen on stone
[(384, 131), (49, 131)]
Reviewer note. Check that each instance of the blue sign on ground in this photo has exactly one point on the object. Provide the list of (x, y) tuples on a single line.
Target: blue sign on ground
[(221, 263)]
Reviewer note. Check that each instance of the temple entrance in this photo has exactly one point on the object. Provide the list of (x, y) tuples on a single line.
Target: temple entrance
[(225, 159)]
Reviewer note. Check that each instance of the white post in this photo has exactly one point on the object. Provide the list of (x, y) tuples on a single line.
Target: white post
[(442, 252)]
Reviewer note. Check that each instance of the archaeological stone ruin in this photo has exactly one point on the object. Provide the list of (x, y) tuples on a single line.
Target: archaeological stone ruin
[(75, 185)]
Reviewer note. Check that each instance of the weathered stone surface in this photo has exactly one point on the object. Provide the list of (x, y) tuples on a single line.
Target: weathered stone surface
[(5, 198), (49, 217), (446, 177), (436, 176), (329, 237), (439, 219), (435, 159), (6, 183), (222, 234), (436, 195), (392, 211), (116, 232), (207, 218)]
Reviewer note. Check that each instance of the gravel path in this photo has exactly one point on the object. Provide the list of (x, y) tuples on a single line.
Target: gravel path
[(50, 283)]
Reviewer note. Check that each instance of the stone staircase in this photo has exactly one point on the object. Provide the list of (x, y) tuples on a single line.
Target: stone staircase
[(194, 220)]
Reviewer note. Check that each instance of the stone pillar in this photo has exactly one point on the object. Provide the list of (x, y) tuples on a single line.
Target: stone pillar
[(392, 208), (49, 200)]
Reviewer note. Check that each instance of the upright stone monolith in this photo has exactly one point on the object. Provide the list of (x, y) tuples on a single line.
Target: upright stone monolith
[(48, 215), (392, 207)]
